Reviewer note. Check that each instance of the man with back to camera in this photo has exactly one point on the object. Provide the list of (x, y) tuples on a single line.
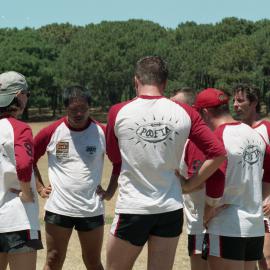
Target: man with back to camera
[(191, 162), (234, 238), (146, 136), (247, 107), (184, 95)]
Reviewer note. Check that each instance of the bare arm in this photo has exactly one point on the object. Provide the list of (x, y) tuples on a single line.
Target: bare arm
[(42, 190), (207, 169), (26, 193), (108, 194), (211, 211)]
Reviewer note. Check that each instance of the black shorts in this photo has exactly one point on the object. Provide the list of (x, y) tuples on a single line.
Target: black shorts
[(233, 248), (137, 228), (195, 242), (79, 223), (20, 241)]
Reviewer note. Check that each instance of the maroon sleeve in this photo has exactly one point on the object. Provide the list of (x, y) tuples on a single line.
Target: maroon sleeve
[(194, 158), (112, 146), (43, 138), (202, 136), (266, 165), (215, 184), (23, 149), (267, 124)]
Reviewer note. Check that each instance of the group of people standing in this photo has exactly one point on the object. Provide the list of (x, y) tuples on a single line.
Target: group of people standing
[(166, 156), (225, 221)]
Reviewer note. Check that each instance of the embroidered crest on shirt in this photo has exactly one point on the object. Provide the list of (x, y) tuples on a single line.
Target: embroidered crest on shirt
[(62, 150), (152, 132)]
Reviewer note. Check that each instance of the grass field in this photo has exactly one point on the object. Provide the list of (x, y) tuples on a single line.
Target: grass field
[(73, 260)]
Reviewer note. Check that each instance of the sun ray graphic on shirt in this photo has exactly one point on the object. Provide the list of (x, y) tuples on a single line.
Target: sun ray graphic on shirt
[(150, 131), (251, 153)]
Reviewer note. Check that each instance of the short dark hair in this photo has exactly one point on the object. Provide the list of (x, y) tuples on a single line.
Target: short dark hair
[(252, 93), (151, 70), (75, 92), (188, 92), (220, 110)]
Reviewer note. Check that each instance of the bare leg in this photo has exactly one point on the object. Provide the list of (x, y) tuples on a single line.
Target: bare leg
[(217, 263), (161, 252), (264, 263), (57, 239), (3, 261), (121, 255), (250, 265), (197, 263), (22, 261), (91, 244)]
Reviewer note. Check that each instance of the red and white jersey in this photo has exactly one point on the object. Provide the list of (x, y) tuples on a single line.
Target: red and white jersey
[(247, 155), (16, 164), (263, 127), (194, 202), (148, 135), (75, 161)]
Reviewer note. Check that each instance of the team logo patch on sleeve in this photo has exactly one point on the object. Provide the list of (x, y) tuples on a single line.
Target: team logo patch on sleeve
[(62, 150), (28, 148)]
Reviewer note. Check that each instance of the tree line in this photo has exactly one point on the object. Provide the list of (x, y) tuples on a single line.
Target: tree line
[(102, 56)]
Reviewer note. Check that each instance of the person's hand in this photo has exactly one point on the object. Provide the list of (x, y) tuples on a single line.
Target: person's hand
[(182, 180), (266, 209), (187, 184), (210, 212), (104, 195), (45, 192), (23, 196)]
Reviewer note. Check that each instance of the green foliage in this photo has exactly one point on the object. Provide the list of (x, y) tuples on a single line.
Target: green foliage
[(102, 57)]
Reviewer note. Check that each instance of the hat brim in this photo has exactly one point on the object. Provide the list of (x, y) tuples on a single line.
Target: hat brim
[(5, 100)]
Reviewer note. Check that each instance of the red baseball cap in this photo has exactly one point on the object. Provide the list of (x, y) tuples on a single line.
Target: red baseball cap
[(209, 98)]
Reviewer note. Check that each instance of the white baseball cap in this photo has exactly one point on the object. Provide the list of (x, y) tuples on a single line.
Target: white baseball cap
[(11, 83)]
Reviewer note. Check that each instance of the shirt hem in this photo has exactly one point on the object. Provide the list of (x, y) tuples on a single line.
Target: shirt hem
[(94, 214), (145, 211)]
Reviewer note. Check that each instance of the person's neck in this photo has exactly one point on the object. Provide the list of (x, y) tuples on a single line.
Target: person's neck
[(218, 121), (150, 90), (252, 120), (9, 114), (76, 126)]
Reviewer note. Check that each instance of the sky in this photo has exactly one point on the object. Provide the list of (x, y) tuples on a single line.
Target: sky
[(167, 13)]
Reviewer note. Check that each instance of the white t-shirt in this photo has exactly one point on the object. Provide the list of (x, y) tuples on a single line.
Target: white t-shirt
[(16, 164), (147, 136), (242, 173), (263, 127), (194, 202), (75, 160)]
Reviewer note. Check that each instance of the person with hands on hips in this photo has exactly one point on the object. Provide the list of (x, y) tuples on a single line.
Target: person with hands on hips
[(19, 223)]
